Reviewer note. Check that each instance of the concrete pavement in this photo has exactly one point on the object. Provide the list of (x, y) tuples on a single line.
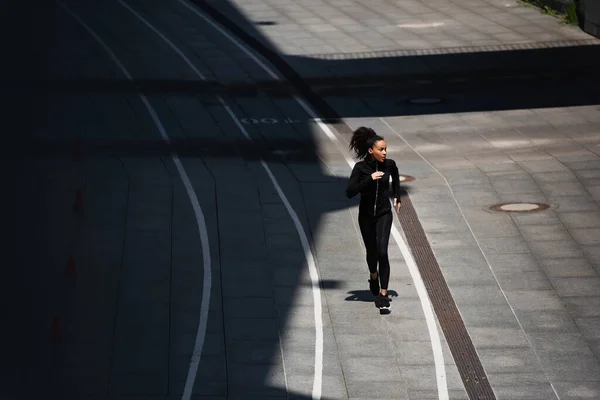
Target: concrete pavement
[(526, 285)]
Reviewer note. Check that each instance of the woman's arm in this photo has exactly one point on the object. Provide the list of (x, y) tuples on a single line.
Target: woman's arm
[(357, 182), (396, 185)]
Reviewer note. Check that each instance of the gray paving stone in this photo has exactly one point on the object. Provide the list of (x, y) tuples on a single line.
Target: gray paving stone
[(246, 288), (534, 300), (583, 306), (519, 378), (413, 378), (543, 166), (577, 390), (376, 390), (253, 352), (485, 229), (538, 197), (498, 337), (509, 359), (577, 368), (569, 267), (555, 249), (547, 321), (563, 189), (410, 330), (251, 329), (442, 224), (579, 286), (541, 233), (477, 198), (458, 240), (419, 394), (552, 345), (593, 255), (410, 353), (505, 167), (182, 344), (459, 257), (586, 236), (427, 210), (589, 174), (290, 276), (468, 274), (300, 316), (367, 369), (513, 263), (528, 280), (255, 380), (595, 346), (581, 219), (482, 294), (583, 164), (525, 392), (590, 327), (536, 218), (573, 203), (516, 186), (333, 386), (504, 245), (377, 344), (250, 307)]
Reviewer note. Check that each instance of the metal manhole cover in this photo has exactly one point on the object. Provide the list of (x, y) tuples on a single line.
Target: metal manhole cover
[(405, 178), (519, 207)]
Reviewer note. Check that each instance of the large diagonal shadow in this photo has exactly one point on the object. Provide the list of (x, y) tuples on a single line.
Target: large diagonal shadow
[(577, 66)]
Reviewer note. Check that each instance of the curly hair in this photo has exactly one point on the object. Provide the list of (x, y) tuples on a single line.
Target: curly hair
[(362, 140)]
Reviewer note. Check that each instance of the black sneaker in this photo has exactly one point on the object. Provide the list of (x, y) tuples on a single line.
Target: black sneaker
[(374, 285), (383, 302)]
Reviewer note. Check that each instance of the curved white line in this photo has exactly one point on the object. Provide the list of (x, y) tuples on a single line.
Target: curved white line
[(200, 222), (430, 318), (312, 269), (313, 272)]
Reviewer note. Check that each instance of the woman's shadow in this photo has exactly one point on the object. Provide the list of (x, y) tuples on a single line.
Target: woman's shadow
[(367, 296)]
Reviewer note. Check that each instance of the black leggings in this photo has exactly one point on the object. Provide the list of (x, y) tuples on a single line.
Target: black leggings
[(376, 236)]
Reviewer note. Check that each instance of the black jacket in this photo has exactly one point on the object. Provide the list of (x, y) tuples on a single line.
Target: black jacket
[(374, 194)]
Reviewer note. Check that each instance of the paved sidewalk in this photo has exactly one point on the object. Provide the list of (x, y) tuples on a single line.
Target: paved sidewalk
[(333, 27), (527, 284), (131, 316), (354, 39)]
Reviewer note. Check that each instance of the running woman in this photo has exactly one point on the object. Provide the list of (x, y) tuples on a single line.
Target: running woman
[(371, 178)]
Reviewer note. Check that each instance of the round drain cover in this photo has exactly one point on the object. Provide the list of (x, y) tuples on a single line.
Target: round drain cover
[(405, 178), (519, 207)]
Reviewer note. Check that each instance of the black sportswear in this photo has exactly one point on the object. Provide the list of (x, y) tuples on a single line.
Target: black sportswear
[(374, 194)]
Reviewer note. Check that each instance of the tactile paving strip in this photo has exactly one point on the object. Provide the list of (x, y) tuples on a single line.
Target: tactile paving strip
[(460, 344)]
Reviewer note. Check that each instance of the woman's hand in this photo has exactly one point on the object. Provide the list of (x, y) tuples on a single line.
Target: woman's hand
[(397, 204), (376, 175)]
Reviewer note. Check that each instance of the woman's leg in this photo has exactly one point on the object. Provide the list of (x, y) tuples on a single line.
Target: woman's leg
[(383, 227), (367, 230)]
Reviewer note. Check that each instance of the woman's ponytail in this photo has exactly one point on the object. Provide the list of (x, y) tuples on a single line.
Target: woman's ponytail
[(362, 140)]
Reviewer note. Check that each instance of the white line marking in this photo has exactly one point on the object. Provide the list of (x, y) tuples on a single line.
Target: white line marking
[(312, 268), (436, 343), (200, 222), (314, 275)]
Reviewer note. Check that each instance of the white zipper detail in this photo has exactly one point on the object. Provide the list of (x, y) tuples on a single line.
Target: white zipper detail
[(376, 191)]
